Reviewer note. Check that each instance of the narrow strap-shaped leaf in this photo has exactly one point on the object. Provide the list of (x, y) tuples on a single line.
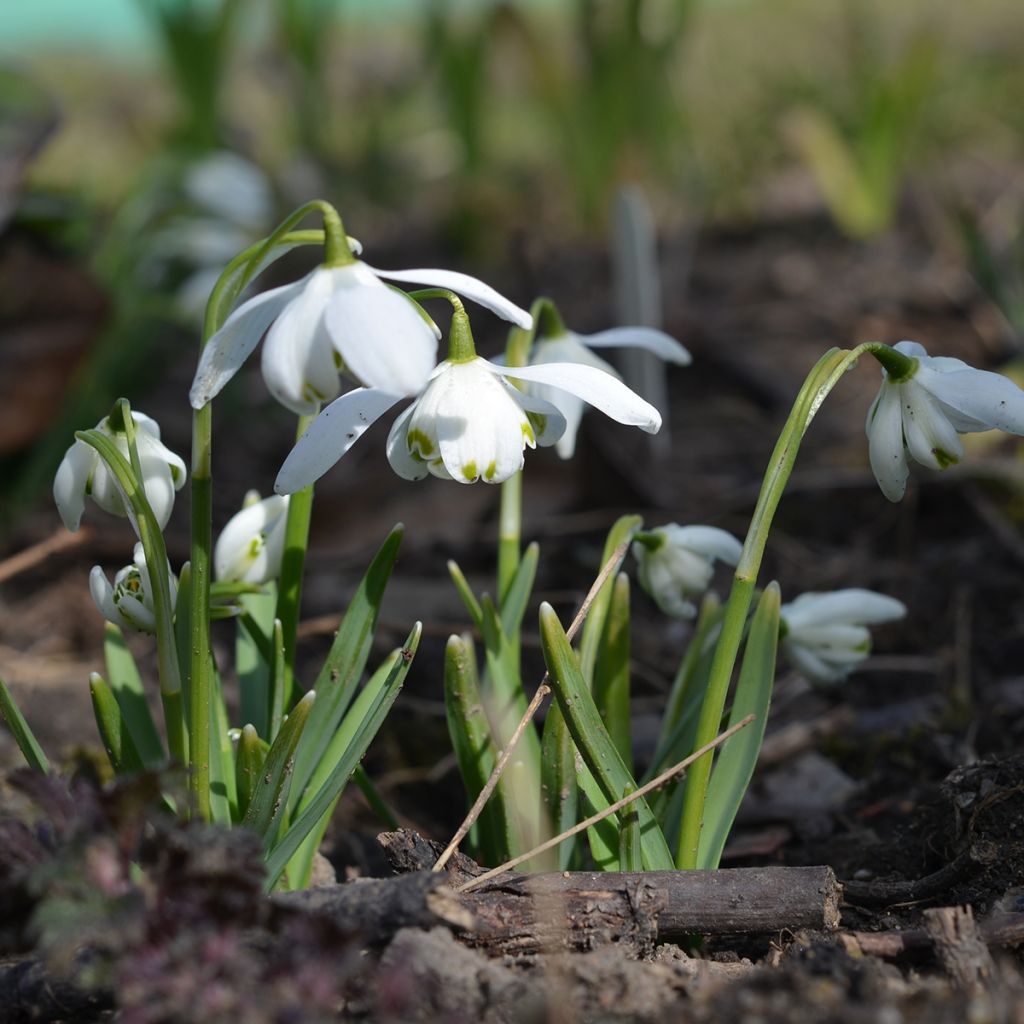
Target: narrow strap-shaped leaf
[(360, 726), (375, 801), (735, 762), (249, 758), (622, 530), (299, 869), (558, 772), (603, 838), (513, 607), (126, 684), (117, 741), (183, 634), (465, 591), (471, 740), (223, 795), (278, 682), (630, 854), (253, 657), (611, 672), (345, 662), (23, 735), (591, 737), (267, 801)]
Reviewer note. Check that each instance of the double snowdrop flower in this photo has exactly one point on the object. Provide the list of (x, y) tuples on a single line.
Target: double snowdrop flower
[(675, 563), (566, 346), (925, 413), (82, 472), (335, 318), (826, 636), (251, 545), (129, 602), (469, 423)]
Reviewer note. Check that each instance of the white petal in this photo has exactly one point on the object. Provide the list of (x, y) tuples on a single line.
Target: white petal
[(843, 637), (297, 359), (463, 284), (330, 435), (241, 552), (811, 665), (379, 332), (988, 398), (648, 338), (550, 419), (152, 448), (402, 461), (595, 387), (885, 442), (71, 482), (709, 541), (852, 604), (159, 487), (567, 348), (912, 349), (103, 595), (930, 438), (224, 353)]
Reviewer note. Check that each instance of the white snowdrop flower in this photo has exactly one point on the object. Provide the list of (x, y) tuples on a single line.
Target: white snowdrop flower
[(675, 563), (826, 636), (129, 602), (570, 347), (468, 424), (333, 318), (83, 472), (251, 545), (924, 415)]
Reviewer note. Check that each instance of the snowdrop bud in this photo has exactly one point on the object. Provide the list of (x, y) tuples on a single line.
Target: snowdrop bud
[(129, 602), (251, 545), (825, 636), (675, 563), (83, 472)]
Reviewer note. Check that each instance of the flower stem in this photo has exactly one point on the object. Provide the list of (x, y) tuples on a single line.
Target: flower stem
[(816, 388), (289, 594)]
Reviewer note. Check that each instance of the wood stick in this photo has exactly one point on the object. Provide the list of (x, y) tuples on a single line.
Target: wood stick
[(999, 930), (542, 691), (583, 910), (59, 541), (655, 783)]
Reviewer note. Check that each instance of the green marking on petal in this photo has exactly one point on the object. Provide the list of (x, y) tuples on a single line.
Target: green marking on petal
[(491, 470), (944, 459), (420, 444), (528, 432), (469, 470)]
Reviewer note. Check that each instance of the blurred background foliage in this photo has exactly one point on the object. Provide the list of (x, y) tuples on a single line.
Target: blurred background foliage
[(143, 141)]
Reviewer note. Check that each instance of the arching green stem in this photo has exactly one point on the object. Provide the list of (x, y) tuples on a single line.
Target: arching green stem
[(816, 388), (235, 277)]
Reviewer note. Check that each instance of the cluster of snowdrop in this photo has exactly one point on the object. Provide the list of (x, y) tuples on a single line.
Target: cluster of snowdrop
[(342, 348), (471, 419)]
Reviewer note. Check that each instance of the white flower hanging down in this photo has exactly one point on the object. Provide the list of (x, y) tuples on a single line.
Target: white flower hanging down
[(675, 563), (333, 318), (82, 472), (129, 602), (469, 423), (251, 545), (924, 415), (569, 347), (825, 636)]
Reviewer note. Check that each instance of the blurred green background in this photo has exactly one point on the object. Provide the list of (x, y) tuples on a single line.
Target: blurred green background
[(142, 142)]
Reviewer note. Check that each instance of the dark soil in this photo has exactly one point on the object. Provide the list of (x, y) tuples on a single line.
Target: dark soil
[(907, 780)]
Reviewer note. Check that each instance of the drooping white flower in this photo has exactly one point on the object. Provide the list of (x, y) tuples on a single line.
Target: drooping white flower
[(675, 563), (251, 545), (129, 602), (83, 472), (469, 423), (332, 318), (826, 636), (924, 415), (570, 347)]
